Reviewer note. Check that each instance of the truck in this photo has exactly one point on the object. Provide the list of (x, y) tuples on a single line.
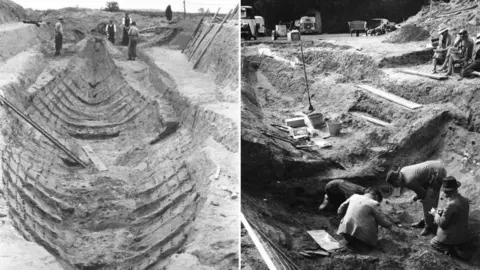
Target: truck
[(248, 25), (260, 25), (308, 25)]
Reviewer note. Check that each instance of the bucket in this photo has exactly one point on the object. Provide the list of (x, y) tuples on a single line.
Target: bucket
[(281, 30), (334, 127), (316, 119)]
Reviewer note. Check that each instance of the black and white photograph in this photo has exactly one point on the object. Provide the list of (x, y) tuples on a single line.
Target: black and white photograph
[(119, 134), (359, 134)]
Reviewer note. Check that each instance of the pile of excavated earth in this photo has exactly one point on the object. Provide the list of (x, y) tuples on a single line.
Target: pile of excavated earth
[(116, 164), (283, 184)]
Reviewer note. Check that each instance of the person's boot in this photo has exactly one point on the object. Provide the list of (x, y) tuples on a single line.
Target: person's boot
[(420, 224)]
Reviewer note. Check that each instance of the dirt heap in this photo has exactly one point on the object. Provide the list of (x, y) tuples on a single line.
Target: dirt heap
[(408, 33), (455, 15), (11, 12), (282, 186)]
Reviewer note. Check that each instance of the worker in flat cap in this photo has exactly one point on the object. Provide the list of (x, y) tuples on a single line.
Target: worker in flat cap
[(59, 35), (425, 180)]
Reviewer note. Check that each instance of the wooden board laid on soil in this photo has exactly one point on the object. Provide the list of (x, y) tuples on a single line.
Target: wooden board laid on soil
[(94, 158), (422, 74), (389, 96), (372, 119)]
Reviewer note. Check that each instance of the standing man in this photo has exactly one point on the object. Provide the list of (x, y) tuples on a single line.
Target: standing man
[(360, 224), (126, 22), (132, 41), (58, 36), (425, 179), (111, 29), (452, 221), (338, 191)]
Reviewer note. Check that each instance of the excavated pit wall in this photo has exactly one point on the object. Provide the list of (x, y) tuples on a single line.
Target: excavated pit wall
[(424, 134), (221, 57), (104, 220)]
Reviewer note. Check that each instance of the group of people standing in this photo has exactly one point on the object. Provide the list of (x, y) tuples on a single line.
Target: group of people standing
[(130, 35), (362, 214), (463, 51)]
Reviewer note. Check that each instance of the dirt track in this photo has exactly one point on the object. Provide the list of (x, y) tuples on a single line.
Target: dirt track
[(158, 204), (282, 199)]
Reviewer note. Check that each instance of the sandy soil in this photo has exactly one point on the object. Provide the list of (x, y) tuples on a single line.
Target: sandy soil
[(282, 186), (114, 219)]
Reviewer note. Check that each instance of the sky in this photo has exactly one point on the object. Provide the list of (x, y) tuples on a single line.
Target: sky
[(177, 5)]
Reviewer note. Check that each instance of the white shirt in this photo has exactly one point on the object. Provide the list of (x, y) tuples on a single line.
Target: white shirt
[(129, 18), (59, 28), (114, 28)]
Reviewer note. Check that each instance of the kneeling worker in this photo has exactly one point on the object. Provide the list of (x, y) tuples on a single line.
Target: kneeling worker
[(452, 221), (359, 226), (338, 191), (425, 179)]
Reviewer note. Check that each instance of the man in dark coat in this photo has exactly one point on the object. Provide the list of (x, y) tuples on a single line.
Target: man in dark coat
[(452, 221), (111, 29), (475, 66), (126, 21), (425, 179), (338, 191)]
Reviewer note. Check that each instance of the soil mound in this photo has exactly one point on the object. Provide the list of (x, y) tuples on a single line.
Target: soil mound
[(408, 33), (10, 12)]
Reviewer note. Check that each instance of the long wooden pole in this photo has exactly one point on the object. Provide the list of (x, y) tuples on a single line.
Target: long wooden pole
[(258, 244), (196, 29), (310, 108), (204, 34), (41, 130), (211, 40)]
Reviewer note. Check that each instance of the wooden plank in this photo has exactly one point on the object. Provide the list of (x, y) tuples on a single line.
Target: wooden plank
[(210, 41), (34, 124), (476, 73), (372, 119), (196, 29), (204, 35), (422, 74), (258, 244), (94, 158), (401, 101)]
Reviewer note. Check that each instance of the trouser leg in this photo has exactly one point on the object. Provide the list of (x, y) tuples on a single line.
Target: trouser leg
[(58, 43), (439, 246), (468, 70), (430, 201)]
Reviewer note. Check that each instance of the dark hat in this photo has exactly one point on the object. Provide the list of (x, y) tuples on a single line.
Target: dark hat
[(391, 176), (463, 32), (450, 183)]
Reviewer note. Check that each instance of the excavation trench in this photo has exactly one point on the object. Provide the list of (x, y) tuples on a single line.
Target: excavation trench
[(134, 215), (282, 186)]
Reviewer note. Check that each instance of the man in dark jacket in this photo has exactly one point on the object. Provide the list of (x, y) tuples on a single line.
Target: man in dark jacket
[(452, 221), (475, 66), (111, 29), (126, 21), (338, 191), (425, 179)]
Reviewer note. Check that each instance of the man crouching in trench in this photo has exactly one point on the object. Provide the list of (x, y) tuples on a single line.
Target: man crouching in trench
[(425, 179)]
